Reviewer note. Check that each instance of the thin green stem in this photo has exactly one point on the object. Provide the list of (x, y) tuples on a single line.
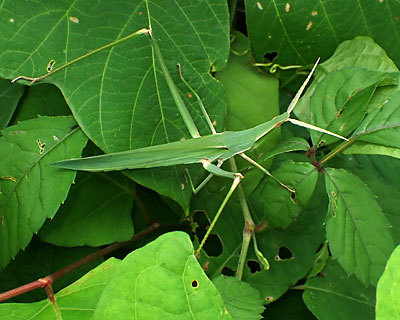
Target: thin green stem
[(232, 11), (111, 44)]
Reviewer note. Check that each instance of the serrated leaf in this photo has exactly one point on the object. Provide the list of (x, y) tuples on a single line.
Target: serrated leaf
[(9, 97), (281, 207), (30, 190), (388, 290), (356, 228), (79, 300), (119, 96), (335, 295), (82, 221), (291, 28), (163, 268), (242, 301), (360, 52), (340, 101)]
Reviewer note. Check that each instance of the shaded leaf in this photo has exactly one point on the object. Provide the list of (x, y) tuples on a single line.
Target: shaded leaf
[(388, 291), (291, 28), (77, 300), (83, 221), (31, 191), (41, 259), (44, 100), (241, 300), (335, 295), (281, 207), (356, 228), (9, 97), (119, 96), (163, 268)]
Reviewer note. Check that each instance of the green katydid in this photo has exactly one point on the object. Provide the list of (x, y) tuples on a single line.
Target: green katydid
[(217, 147)]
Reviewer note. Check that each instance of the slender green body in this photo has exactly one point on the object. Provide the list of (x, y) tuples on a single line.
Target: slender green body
[(212, 147)]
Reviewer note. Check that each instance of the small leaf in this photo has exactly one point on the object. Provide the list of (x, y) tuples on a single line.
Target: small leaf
[(31, 191), (357, 230), (9, 97), (241, 300), (82, 221), (335, 295), (388, 290), (281, 207), (163, 268)]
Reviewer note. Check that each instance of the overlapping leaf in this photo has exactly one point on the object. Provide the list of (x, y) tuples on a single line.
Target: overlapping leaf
[(335, 295), (357, 230), (119, 96), (30, 190)]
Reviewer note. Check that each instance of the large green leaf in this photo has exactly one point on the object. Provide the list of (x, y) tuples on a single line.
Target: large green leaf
[(31, 191), (241, 300), (162, 280), (82, 221), (388, 291), (291, 28), (356, 228), (9, 97), (335, 295), (119, 96), (77, 301)]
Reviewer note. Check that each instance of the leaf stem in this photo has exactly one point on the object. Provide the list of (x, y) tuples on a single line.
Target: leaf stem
[(111, 44), (337, 150)]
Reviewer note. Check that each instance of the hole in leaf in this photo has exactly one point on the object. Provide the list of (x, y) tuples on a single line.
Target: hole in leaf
[(271, 55), (213, 246), (201, 219), (195, 284), (254, 266), (228, 272), (293, 197), (284, 254)]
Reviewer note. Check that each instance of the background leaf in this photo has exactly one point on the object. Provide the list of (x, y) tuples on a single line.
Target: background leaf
[(361, 242), (82, 221), (388, 291), (292, 28), (335, 295), (31, 191)]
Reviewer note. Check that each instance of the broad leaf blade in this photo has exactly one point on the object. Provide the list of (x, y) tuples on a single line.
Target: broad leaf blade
[(388, 291), (31, 191), (165, 267), (119, 96), (357, 230), (241, 300), (335, 295), (82, 221)]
